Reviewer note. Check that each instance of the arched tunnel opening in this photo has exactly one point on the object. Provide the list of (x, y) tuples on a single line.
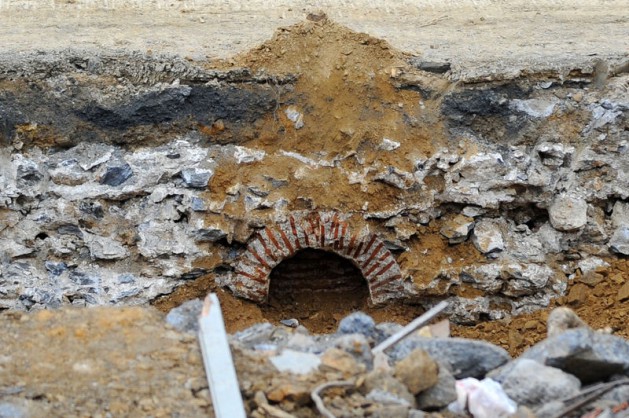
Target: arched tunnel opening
[(316, 287)]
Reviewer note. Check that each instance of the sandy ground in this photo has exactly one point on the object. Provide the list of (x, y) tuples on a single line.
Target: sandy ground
[(480, 38)]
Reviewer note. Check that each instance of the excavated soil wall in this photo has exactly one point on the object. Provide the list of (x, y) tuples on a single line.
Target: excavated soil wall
[(145, 179)]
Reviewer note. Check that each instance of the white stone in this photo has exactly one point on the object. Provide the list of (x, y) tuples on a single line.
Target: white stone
[(296, 362), (487, 237), (620, 240), (620, 214), (537, 108), (389, 145), (104, 248), (295, 116), (248, 155), (568, 213)]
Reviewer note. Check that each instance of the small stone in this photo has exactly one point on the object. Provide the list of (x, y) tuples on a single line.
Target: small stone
[(457, 229), (381, 380), (568, 213), (619, 243), (115, 175), (196, 178), (578, 294), (591, 278), (295, 362), (56, 269), (357, 323), (293, 392), (339, 360), (620, 214), (291, 323), (441, 394), (623, 292), (357, 346), (389, 145), (197, 204), (537, 108), (295, 116), (247, 155), (185, 317), (418, 371), (487, 237), (211, 234), (104, 248), (562, 319), (532, 384)]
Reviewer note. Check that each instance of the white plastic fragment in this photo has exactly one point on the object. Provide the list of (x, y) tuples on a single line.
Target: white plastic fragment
[(482, 399), (219, 366)]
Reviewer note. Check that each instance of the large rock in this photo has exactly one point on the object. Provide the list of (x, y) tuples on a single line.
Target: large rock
[(588, 355), (464, 358), (568, 213), (417, 371), (441, 394), (530, 383)]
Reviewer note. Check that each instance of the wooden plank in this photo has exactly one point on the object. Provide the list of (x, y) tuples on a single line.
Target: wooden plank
[(219, 365)]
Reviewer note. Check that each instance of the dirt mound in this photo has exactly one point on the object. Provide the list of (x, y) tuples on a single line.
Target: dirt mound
[(344, 92)]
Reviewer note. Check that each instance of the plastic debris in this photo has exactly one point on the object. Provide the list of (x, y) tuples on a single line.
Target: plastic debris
[(482, 399)]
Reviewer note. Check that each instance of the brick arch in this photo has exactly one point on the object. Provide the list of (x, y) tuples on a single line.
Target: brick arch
[(317, 230)]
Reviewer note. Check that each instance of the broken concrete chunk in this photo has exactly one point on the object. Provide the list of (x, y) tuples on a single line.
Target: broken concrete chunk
[(457, 229), (568, 213), (487, 237), (196, 178)]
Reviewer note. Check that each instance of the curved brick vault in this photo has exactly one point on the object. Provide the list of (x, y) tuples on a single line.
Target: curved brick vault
[(318, 230)]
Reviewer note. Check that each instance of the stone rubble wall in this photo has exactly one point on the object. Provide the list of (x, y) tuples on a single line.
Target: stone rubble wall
[(93, 218)]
